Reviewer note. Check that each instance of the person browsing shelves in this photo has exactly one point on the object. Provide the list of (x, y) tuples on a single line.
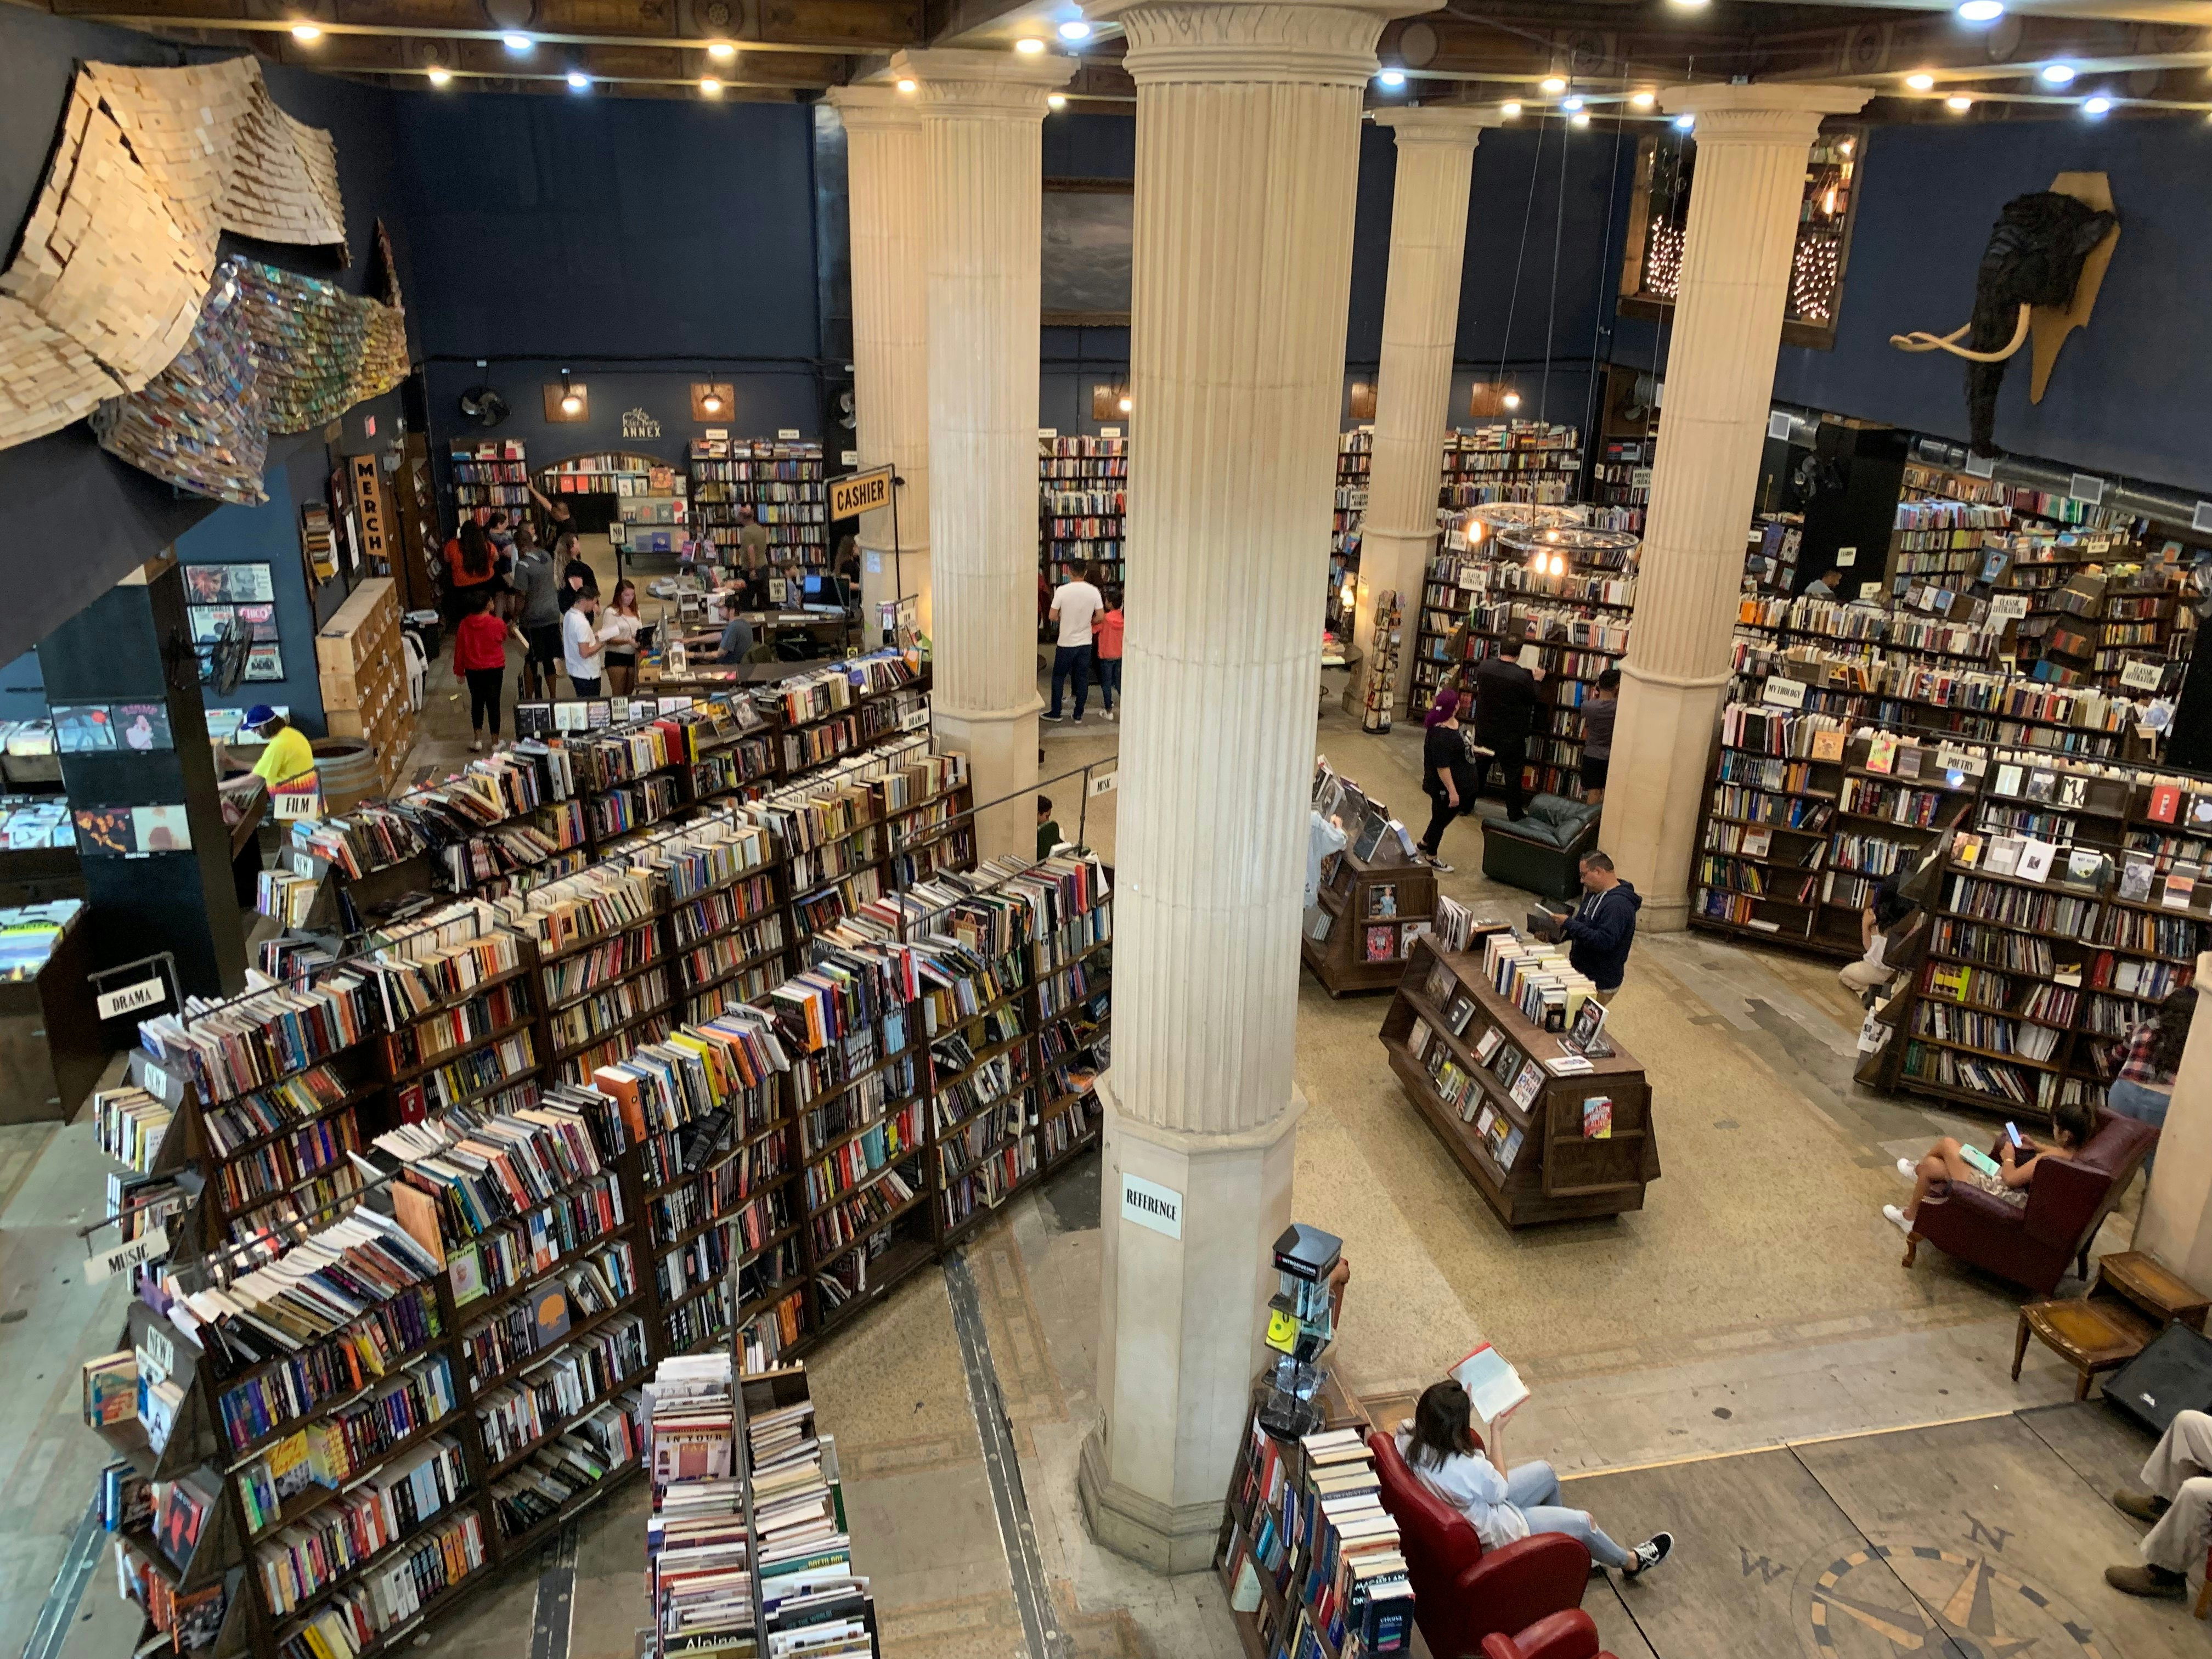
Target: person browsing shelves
[(581, 646), (1506, 703), (1448, 775), (1075, 605), (286, 753), (1503, 1505), (1603, 926)]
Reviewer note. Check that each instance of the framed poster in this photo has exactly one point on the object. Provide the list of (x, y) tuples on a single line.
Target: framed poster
[(265, 662), (207, 621)]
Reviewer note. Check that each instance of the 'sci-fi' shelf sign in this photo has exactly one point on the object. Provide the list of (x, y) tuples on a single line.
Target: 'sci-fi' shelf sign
[(1159, 1208)]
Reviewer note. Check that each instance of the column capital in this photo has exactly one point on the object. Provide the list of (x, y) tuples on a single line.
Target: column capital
[(879, 106), (1452, 125), (1769, 111), (952, 79), (1313, 42)]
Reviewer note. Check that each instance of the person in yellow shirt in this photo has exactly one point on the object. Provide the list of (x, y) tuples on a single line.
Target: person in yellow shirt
[(286, 755)]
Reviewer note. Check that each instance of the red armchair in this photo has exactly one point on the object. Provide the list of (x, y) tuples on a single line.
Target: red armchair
[(2067, 1202), (1461, 1591), (1563, 1636)]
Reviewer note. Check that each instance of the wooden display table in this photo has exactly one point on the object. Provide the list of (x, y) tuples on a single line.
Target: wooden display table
[(1375, 912), (1530, 1162), (2131, 1300), (52, 1049)]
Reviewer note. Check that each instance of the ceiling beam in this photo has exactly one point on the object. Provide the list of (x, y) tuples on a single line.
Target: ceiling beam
[(156, 22)]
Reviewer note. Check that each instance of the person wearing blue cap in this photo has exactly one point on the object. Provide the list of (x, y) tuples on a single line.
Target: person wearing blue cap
[(286, 753)]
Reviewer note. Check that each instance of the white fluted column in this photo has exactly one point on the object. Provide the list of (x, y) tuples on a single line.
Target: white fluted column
[(2177, 1210), (1412, 391), (885, 182), (983, 114), (1247, 139), (1743, 234)]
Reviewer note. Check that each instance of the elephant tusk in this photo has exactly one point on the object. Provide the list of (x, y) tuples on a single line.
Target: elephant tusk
[(1922, 342)]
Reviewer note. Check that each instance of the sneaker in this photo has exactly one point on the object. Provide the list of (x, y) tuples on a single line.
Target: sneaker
[(1054, 719), (1110, 714), (2143, 1505), (1650, 1553), (476, 746), (1438, 864), (2148, 1581), (1897, 1217), (1910, 1170)]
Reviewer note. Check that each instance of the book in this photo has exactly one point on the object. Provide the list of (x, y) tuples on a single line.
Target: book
[(1486, 1044), (1881, 752), (2165, 802), (1597, 1118), (1525, 1085), (2008, 779), (1757, 841), (2042, 785), (2178, 891), (1493, 1386), (1383, 899), (2035, 857), (1828, 745), (110, 1389), (1381, 944), (2136, 878), (1461, 1011)]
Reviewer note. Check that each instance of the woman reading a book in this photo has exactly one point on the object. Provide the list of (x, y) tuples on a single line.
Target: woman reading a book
[(2006, 1179), (1503, 1506)]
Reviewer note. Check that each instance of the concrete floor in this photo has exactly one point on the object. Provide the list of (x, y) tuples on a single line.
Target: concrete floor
[(1755, 1303)]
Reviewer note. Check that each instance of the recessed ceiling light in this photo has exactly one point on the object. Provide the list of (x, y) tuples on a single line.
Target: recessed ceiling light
[(1684, 123), (579, 81), (2058, 75), (1921, 83), (710, 86), (721, 51), (517, 42), (906, 85), (306, 34), (1055, 101), (1645, 100), (1075, 29), (1579, 118), (1553, 84), (1393, 78), (1980, 11), (439, 77), (1509, 111), (1960, 102), (2095, 105), (1029, 44), (1570, 105)]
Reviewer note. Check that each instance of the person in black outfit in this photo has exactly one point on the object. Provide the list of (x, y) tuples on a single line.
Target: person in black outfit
[(1505, 704), (1447, 774)]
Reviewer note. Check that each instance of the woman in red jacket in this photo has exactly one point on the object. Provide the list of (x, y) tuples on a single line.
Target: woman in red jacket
[(480, 653)]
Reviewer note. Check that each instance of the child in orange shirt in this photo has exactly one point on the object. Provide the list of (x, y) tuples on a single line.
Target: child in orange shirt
[(1106, 637)]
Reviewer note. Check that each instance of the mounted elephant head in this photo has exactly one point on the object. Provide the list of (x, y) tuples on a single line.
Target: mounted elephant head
[(2034, 259)]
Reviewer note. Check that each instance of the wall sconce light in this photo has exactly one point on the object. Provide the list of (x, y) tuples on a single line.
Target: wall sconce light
[(569, 400), (713, 400)]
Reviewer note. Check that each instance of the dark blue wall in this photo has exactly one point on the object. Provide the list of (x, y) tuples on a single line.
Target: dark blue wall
[(666, 230), (2128, 395)]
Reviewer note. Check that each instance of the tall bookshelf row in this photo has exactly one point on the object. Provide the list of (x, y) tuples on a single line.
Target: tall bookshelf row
[(1531, 461), (780, 479), (1621, 483), (597, 1157), (489, 475), (1083, 486), (2072, 892)]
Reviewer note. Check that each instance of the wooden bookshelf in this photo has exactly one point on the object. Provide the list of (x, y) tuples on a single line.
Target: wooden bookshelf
[(1531, 1160), (1374, 913), (488, 476), (1082, 501), (779, 478)]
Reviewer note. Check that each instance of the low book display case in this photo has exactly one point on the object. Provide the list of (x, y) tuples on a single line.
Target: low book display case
[(1538, 1143)]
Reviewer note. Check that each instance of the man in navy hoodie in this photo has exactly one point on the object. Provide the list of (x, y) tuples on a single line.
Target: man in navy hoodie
[(1603, 924)]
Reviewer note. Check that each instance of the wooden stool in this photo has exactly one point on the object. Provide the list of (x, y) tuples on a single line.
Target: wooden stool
[(2131, 1300)]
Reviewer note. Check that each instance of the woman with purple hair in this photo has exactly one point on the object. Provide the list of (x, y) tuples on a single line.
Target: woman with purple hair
[(1447, 775)]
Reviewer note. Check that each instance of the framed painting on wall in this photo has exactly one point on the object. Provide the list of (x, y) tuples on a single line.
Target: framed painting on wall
[(1090, 227)]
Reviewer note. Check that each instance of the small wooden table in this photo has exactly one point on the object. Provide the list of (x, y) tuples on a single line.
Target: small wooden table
[(2131, 1300)]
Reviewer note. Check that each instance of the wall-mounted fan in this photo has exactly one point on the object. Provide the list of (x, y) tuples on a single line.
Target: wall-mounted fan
[(226, 661), (483, 406)]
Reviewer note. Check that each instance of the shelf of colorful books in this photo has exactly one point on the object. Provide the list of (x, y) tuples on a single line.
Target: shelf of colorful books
[(1082, 498), (782, 479)]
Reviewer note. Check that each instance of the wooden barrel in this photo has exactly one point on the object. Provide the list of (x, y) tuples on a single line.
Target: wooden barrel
[(347, 767)]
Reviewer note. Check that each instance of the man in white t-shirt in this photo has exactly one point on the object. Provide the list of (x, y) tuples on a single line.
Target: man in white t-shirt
[(1075, 606), (581, 645)]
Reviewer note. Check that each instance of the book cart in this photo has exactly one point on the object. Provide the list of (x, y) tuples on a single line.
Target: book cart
[(1371, 912), (1539, 1146)]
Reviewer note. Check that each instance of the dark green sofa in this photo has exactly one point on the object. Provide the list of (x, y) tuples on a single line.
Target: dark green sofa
[(1543, 852)]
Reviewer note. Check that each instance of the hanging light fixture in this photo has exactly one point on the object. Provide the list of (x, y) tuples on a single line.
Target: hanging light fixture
[(570, 403)]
